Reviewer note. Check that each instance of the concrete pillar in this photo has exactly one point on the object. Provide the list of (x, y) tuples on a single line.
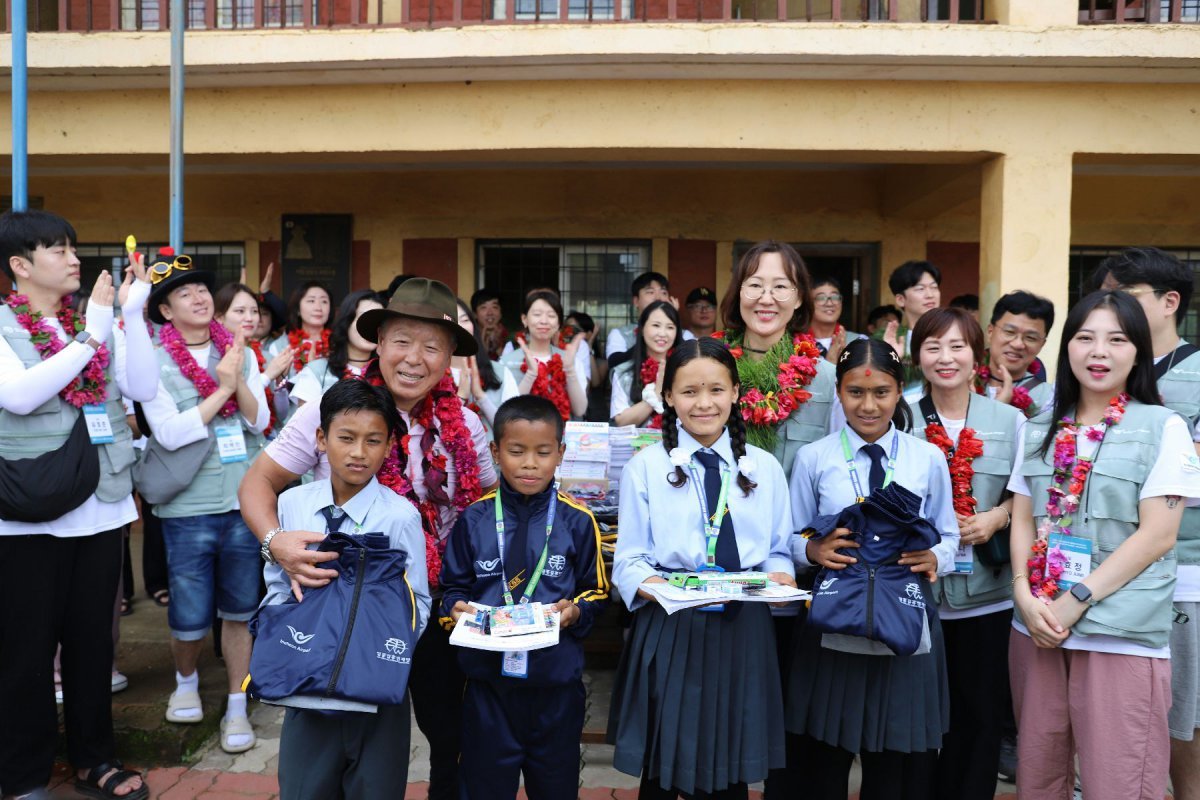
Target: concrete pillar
[(901, 242), (466, 269), (1025, 232), (253, 269), (1035, 13), (660, 256), (724, 275)]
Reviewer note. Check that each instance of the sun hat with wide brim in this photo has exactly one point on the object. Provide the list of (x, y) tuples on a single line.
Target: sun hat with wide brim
[(177, 274), (423, 300)]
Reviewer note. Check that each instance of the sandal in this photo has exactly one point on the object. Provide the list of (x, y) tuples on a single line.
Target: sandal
[(92, 787), (180, 700), (234, 727), (126, 606), (161, 598)]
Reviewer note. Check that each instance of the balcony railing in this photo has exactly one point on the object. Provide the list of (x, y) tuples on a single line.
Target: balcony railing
[(1132, 11), (152, 15)]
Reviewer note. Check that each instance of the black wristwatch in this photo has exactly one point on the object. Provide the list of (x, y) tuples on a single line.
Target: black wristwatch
[(83, 337), (1082, 593)]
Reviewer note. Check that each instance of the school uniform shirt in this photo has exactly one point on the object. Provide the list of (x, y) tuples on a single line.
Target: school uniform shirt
[(662, 526), (821, 484), (135, 367), (295, 449), (473, 571), (375, 509), (1170, 475)]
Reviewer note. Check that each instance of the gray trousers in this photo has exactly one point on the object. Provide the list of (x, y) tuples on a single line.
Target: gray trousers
[(344, 756)]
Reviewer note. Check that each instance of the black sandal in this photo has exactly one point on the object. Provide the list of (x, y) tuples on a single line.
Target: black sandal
[(161, 598), (92, 787)]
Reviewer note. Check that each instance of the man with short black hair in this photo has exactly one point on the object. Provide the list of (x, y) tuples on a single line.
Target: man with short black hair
[(1021, 321), (486, 305), (915, 285), (1163, 286), (702, 312), (645, 289)]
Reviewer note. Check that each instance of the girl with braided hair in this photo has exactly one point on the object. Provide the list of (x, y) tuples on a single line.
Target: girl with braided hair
[(702, 498)]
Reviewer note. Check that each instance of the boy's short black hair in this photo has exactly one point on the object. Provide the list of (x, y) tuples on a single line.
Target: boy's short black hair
[(583, 321), (530, 408), (1159, 269), (352, 394), (647, 278), (482, 296), (1027, 303), (22, 232), (967, 302), (908, 275), (879, 312)]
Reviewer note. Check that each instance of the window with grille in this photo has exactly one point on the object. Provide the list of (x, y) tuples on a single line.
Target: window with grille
[(1084, 261), (225, 259), (593, 276)]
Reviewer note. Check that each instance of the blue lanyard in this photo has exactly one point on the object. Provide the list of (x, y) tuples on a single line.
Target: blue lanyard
[(541, 564), (848, 453), (712, 524)]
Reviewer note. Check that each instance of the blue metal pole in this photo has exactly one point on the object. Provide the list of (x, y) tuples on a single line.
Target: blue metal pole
[(20, 108), (178, 23)]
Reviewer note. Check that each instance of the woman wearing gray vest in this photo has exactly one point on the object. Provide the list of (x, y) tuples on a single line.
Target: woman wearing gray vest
[(210, 390), (61, 384), (787, 389), (979, 438), (1098, 501)]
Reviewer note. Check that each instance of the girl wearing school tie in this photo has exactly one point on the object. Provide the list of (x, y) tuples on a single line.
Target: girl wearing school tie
[(849, 694), (697, 705)]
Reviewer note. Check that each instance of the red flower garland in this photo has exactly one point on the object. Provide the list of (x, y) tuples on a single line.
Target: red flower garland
[(959, 460), (89, 387), (551, 383), (256, 346), (302, 355), (795, 372), (1021, 399), (176, 348), (649, 376), (444, 404)]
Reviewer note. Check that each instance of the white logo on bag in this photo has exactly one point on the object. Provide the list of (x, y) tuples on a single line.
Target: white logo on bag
[(555, 566), (396, 648), (487, 567), (299, 637), (915, 598), (825, 584)]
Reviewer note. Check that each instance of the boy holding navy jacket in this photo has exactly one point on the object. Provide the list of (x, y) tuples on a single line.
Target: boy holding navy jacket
[(525, 715)]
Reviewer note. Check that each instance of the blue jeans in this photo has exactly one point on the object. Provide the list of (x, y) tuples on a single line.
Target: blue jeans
[(210, 557)]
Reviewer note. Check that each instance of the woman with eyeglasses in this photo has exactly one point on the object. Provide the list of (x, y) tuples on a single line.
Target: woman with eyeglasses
[(786, 388), (832, 337)]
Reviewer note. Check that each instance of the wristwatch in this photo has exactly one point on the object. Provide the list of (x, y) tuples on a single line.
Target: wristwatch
[(83, 337), (1082, 593), (265, 549)]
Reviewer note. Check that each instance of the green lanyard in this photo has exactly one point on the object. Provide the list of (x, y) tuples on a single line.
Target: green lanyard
[(541, 564), (848, 453), (712, 525)]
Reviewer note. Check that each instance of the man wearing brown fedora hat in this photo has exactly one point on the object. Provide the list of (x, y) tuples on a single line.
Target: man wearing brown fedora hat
[(446, 467)]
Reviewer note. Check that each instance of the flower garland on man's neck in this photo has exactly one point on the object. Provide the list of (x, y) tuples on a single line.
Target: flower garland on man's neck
[(302, 354), (551, 381), (1066, 488), (90, 386), (256, 346), (773, 386), (444, 405), (649, 377), (1021, 399), (958, 459), (176, 348)]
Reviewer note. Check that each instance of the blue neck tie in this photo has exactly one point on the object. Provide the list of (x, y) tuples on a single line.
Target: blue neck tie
[(333, 524), (875, 479), (728, 558)]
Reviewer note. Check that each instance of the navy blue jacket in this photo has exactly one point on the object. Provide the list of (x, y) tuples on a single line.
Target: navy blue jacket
[(574, 571)]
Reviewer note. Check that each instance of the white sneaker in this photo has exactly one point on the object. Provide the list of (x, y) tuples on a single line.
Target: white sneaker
[(119, 682)]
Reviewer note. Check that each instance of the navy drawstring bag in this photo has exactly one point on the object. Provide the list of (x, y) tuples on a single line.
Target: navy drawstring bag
[(876, 598), (352, 639)]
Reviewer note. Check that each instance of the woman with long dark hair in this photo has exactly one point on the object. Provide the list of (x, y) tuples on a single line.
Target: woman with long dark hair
[(308, 326), (541, 367), (349, 353), (1097, 507), (637, 383), (483, 384)]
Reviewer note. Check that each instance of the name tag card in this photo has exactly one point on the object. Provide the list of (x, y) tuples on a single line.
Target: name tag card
[(1079, 558), (515, 664), (964, 559), (99, 427), (231, 444)]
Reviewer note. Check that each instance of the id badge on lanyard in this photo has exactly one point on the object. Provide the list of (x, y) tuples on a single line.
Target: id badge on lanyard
[(712, 525), (231, 442), (99, 426), (515, 663), (848, 453)]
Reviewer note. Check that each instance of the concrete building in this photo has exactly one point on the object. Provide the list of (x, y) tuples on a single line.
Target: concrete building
[(577, 142)]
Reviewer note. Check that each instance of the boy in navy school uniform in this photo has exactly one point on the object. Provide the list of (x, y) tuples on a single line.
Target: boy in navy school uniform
[(525, 715), (334, 748)]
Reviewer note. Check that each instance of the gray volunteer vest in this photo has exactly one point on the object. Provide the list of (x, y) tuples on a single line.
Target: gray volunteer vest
[(810, 421), (994, 424), (627, 335), (214, 489), (1040, 393), (1139, 611), (1180, 390), (47, 427), (320, 370)]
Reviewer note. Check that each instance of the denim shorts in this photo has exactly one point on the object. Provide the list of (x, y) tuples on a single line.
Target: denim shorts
[(213, 562)]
